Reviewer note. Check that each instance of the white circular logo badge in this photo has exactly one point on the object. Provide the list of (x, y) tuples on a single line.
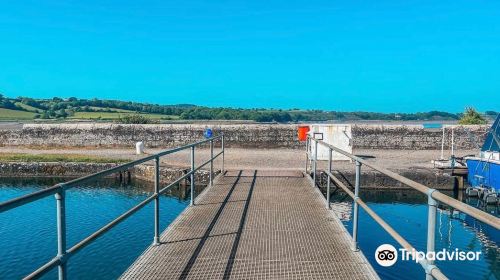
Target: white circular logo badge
[(386, 255)]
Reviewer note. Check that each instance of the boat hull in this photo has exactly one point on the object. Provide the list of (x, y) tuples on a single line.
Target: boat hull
[(483, 172)]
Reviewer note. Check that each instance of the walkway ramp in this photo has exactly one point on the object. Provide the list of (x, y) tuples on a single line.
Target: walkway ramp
[(254, 225)]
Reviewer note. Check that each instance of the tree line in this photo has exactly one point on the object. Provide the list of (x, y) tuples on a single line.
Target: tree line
[(64, 107)]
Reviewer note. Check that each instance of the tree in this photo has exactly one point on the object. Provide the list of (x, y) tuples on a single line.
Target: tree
[(471, 116)]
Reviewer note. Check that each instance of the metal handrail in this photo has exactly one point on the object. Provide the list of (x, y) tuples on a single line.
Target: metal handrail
[(391, 231), (59, 190), (432, 194)]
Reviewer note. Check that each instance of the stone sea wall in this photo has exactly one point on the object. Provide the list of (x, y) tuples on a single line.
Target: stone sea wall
[(432, 178), (51, 169), (170, 174), (413, 137), (143, 172)]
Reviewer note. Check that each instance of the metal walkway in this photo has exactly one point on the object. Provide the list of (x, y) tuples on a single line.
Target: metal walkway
[(255, 225)]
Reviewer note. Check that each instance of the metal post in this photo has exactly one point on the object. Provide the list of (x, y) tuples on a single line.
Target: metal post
[(356, 206), (315, 160), (192, 175), (223, 154), (328, 178), (307, 153), (61, 233), (431, 231), (452, 142), (442, 145), (211, 162), (156, 240)]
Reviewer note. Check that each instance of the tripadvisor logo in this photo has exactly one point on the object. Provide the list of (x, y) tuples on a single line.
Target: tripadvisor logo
[(386, 255)]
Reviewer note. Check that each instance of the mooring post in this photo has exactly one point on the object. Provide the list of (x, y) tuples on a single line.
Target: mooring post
[(315, 160), (156, 240), (61, 233), (192, 176), (211, 162), (223, 154), (356, 206), (328, 178), (431, 232)]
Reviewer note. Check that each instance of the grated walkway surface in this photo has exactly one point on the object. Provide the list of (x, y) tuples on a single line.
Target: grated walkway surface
[(254, 225)]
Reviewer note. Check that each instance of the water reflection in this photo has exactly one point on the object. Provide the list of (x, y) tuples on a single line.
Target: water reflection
[(28, 233), (132, 189), (406, 212)]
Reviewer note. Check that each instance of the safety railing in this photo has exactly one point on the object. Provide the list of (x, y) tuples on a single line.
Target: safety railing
[(64, 253), (433, 195)]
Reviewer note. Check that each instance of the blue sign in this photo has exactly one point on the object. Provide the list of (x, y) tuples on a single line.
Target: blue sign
[(208, 133)]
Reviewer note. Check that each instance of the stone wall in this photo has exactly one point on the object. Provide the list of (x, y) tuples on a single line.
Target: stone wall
[(143, 172), (432, 178), (413, 137), (51, 169), (170, 174)]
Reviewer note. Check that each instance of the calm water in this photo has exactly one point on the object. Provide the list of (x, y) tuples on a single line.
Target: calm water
[(433, 125), (406, 212), (28, 233), (29, 238)]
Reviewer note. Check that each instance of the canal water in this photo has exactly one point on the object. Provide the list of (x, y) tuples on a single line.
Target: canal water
[(28, 236), (406, 212), (28, 233)]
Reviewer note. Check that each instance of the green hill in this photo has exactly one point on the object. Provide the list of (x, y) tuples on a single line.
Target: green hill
[(23, 108), (8, 114)]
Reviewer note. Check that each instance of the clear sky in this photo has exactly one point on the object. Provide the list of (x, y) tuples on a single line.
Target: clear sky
[(386, 56)]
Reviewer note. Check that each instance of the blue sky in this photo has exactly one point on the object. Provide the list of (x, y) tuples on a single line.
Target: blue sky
[(385, 56)]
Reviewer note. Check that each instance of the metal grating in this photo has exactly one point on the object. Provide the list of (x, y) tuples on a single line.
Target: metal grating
[(249, 226)]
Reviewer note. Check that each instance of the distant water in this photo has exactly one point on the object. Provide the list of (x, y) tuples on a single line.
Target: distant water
[(28, 233), (406, 212), (433, 125)]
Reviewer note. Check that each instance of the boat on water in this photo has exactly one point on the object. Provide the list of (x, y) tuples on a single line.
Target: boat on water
[(484, 170)]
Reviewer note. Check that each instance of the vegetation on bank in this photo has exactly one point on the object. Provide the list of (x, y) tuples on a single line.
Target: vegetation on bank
[(136, 119), (133, 112), (18, 157), (471, 116)]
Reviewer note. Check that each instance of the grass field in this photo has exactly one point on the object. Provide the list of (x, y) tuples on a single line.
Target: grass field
[(57, 158), (28, 107), (113, 116), (7, 114), (112, 109)]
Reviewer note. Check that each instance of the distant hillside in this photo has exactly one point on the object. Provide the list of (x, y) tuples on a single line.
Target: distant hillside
[(24, 108)]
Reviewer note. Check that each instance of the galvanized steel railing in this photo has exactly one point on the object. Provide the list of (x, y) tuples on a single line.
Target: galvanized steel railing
[(434, 196), (63, 253)]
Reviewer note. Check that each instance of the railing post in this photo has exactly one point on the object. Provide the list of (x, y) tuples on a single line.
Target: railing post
[(307, 153), (356, 208), (192, 176), (431, 231), (328, 178), (211, 162), (61, 233), (156, 240), (315, 163), (223, 154)]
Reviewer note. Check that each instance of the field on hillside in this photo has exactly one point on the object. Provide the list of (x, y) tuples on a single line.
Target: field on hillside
[(28, 107), (7, 114), (112, 109)]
